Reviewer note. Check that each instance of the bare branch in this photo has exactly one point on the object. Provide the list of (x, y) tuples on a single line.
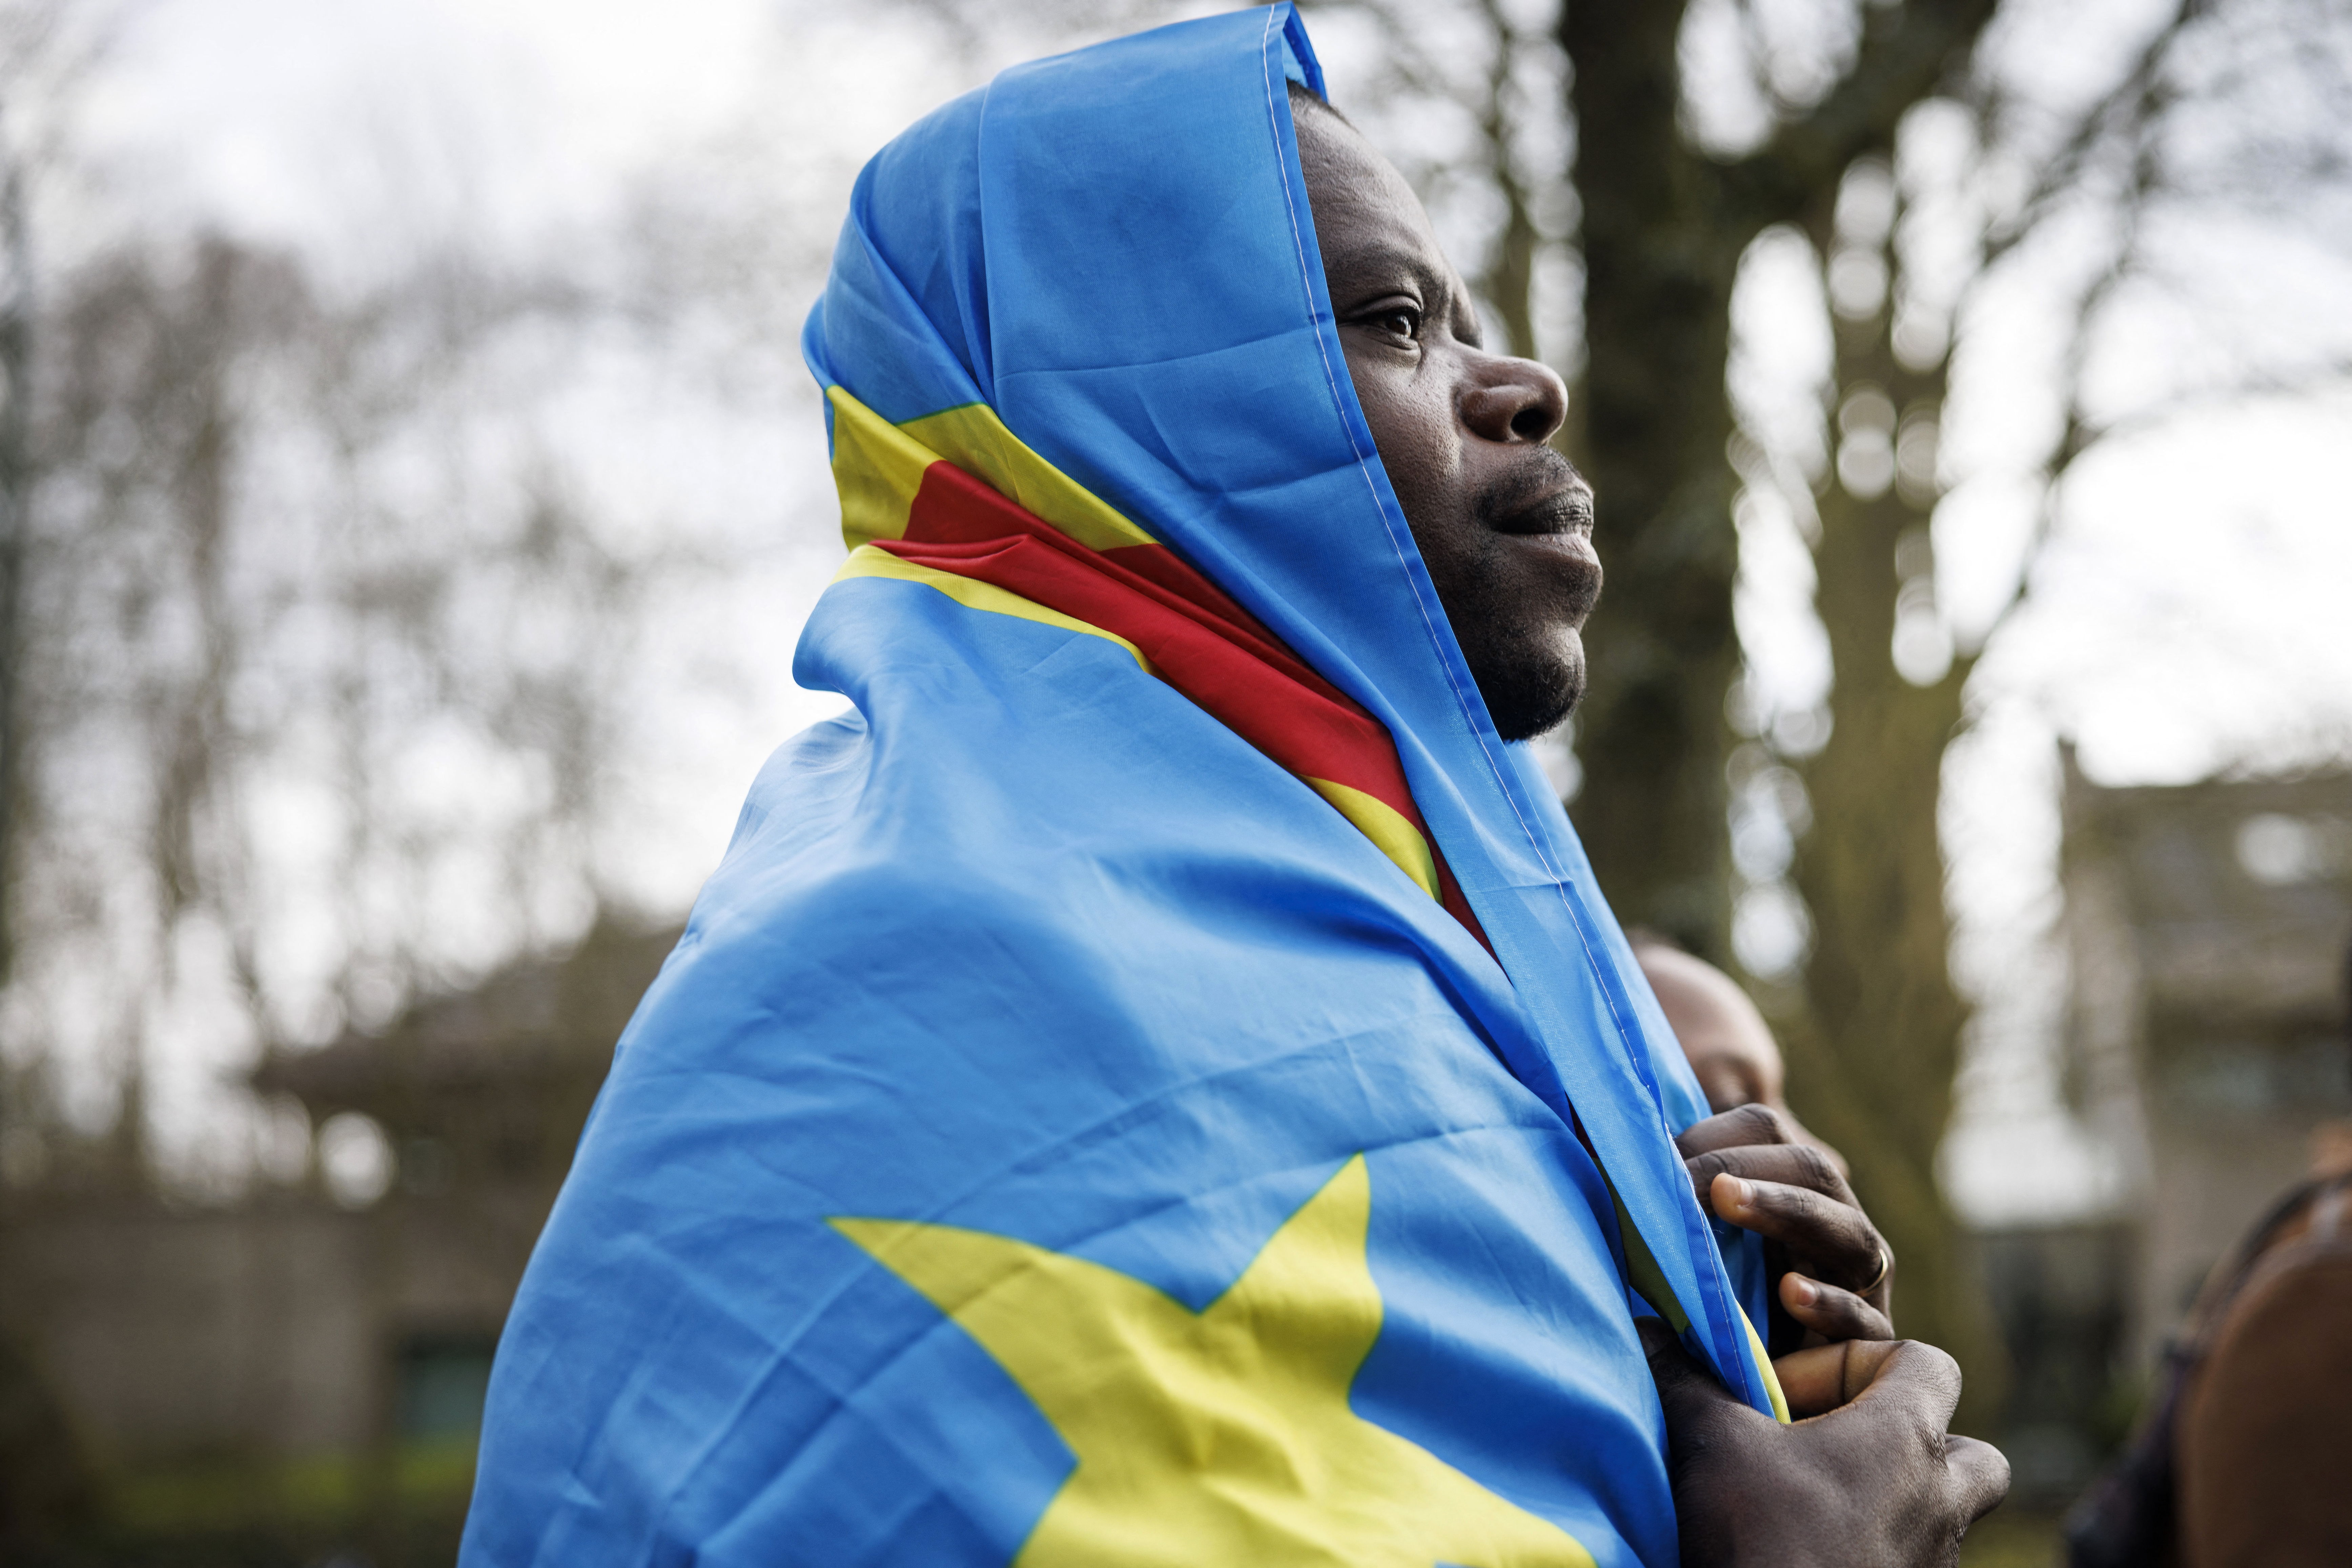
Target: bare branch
[(2125, 112), (1906, 52)]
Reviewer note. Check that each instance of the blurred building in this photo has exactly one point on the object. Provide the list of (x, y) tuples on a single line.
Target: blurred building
[(327, 1319), (2207, 928)]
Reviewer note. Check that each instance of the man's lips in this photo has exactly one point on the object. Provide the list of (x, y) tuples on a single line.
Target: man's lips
[(1557, 525), (1539, 494), (1544, 508), (1565, 512)]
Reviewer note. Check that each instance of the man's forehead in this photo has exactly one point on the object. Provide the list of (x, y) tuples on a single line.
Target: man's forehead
[(1372, 225), (1337, 155)]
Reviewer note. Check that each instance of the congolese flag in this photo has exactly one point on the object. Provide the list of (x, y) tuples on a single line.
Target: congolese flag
[(1152, 1084), (949, 519)]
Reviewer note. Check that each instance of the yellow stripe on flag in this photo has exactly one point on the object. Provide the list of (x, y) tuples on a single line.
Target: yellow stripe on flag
[(1763, 1360), (878, 470), (1388, 828), (866, 560), (878, 467), (975, 440)]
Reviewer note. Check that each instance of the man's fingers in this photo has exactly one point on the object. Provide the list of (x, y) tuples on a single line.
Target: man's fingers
[(1830, 1313), (1817, 1381), (1979, 1474), (1745, 1125), (1792, 1164), (1812, 1381), (1837, 1238), (1904, 1371), (1909, 1373)]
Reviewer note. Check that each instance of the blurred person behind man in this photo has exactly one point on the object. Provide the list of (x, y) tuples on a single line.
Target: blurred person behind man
[(1731, 1048)]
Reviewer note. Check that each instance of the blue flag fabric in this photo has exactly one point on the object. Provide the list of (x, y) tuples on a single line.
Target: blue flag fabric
[(1061, 1136)]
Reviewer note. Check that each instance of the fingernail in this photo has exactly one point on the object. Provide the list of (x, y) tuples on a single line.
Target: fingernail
[(1802, 1292), (1742, 1195)]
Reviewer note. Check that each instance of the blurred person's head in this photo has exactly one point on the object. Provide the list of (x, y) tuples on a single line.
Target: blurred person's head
[(1725, 1040), (1504, 523)]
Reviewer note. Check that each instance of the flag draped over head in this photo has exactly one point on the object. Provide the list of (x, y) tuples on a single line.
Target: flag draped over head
[(1153, 1082)]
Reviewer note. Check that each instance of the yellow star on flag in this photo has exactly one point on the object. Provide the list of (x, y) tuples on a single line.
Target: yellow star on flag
[(1222, 1436)]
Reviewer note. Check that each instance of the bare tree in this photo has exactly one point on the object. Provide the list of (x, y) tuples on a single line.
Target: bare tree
[(1666, 224), (290, 555), (45, 1485)]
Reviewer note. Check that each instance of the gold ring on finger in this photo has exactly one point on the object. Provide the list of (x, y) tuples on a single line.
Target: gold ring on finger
[(1885, 1263)]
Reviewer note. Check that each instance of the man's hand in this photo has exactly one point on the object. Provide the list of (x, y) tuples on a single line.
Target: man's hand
[(1875, 1483), (1835, 1278)]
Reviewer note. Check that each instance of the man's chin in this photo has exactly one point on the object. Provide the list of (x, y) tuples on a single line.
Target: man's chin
[(1531, 690)]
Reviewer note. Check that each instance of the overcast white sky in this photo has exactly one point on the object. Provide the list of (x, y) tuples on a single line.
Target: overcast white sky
[(2190, 614)]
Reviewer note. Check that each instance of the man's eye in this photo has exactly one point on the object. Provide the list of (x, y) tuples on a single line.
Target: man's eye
[(1397, 320)]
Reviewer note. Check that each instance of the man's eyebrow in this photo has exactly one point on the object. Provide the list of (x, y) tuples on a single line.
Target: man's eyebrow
[(1380, 263)]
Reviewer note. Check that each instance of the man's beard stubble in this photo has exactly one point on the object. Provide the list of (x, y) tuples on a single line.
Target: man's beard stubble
[(1531, 675), (1530, 682)]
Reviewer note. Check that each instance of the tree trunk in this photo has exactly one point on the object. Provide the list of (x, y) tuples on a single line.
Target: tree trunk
[(15, 495), (1659, 263), (1871, 1062)]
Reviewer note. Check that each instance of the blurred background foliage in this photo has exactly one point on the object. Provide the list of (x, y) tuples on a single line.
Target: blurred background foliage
[(377, 615)]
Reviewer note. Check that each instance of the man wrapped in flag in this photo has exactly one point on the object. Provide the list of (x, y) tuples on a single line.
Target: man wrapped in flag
[(1154, 1083)]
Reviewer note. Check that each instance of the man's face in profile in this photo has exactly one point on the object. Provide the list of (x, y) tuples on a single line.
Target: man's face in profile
[(1503, 521)]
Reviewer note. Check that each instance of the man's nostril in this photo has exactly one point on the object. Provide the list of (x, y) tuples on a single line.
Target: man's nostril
[(1531, 424)]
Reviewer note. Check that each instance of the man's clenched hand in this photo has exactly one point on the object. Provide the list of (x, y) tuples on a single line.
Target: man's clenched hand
[(1876, 1482)]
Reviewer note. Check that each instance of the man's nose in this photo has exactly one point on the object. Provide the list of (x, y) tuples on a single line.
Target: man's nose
[(1514, 402)]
